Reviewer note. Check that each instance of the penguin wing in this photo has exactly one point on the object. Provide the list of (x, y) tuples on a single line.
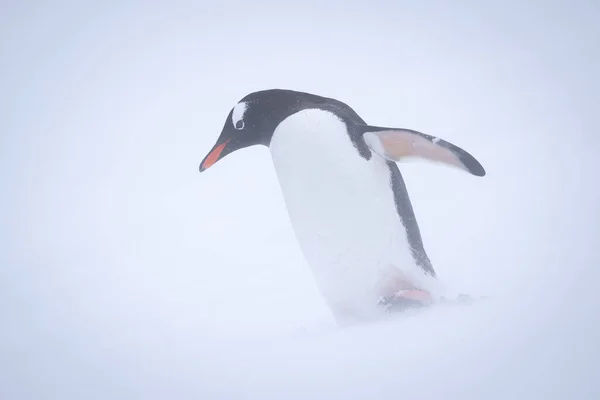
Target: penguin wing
[(397, 144)]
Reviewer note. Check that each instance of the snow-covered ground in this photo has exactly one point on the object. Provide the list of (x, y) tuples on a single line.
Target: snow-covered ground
[(125, 273)]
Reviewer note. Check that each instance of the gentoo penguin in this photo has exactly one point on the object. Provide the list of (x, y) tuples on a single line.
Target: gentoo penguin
[(345, 195)]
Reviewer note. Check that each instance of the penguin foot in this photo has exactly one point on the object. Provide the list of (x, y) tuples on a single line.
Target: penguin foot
[(415, 295), (407, 299)]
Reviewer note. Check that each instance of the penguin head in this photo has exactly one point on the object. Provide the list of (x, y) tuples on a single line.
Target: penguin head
[(250, 122)]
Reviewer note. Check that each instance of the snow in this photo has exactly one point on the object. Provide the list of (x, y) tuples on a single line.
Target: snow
[(125, 273)]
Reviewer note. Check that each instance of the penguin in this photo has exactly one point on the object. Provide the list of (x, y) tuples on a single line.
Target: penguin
[(345, 196)]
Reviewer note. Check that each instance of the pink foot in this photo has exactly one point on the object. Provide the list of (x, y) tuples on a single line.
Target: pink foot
[(413, 295)]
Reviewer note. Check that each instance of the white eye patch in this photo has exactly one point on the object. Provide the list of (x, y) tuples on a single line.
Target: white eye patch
[(237, 116)]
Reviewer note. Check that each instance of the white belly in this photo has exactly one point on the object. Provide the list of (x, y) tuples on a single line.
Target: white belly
[(342, 210)]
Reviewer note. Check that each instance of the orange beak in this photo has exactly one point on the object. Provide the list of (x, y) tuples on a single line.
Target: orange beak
[(213, 156)]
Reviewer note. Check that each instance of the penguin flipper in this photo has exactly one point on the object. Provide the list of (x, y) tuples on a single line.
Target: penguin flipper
[(397, 144)]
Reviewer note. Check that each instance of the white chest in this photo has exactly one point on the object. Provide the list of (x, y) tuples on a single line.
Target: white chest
[(342, 210)]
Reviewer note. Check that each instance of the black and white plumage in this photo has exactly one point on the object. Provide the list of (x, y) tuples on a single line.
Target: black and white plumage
[(345, 195)]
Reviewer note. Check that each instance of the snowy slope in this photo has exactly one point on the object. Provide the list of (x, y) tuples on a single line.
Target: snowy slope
[(124, 273)]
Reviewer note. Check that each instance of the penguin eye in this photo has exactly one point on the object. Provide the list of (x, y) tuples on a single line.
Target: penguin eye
[(239, 125)]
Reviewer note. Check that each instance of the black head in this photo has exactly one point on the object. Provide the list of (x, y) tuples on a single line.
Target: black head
[(252, 121), (254, 118)]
